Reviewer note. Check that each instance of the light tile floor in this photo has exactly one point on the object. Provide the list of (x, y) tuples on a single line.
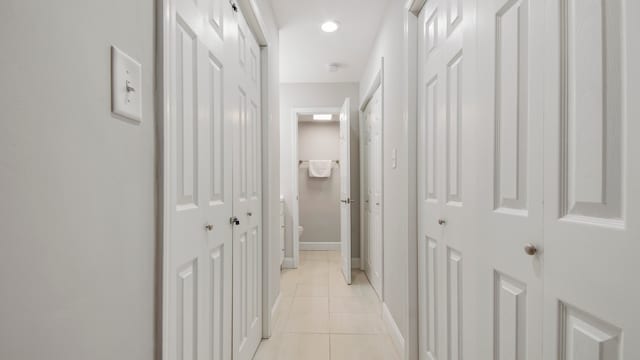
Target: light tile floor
[(321, 317)]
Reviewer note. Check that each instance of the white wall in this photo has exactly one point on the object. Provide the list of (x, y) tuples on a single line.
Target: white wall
[(77, 216), (319, 198), (307, 95), (389, 45)]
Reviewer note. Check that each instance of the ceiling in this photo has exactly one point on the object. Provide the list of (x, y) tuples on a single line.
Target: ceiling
[(305, 50)]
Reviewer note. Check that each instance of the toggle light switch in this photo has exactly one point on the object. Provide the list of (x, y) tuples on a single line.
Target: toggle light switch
[(126, 85)]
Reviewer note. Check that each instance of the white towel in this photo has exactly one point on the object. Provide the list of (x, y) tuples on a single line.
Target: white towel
[(320, 168)]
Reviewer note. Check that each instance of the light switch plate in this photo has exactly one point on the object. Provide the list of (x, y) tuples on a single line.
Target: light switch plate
[(126, 85), (394, 158)]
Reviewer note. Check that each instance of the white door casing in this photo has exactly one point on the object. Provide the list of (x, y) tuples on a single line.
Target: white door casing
[(373, 202), (247, 185), (591, 180), (510, 168), (198, 247), (345, 189), (447, 126)]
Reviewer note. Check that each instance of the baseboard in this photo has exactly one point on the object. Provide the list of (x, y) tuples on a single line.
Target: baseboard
[(288, 263), (394, 331), (319, 246)]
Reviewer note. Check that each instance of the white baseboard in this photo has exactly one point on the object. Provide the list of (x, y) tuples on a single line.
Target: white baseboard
[(288, 263), (394, 331), (319, 246)]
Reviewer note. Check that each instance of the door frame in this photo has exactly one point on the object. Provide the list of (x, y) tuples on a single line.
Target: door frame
[(378, 82), (295, 192), (162, 95), (410, 122)]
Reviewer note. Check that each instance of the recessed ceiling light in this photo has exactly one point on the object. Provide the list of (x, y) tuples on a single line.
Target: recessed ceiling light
[(330, 26), (322, 117)]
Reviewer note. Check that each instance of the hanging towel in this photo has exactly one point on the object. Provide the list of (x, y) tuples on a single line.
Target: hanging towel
[(320, 168)]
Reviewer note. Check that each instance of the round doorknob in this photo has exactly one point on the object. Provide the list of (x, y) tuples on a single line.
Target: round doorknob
[(208, 227), (442, 222), (530, 249)]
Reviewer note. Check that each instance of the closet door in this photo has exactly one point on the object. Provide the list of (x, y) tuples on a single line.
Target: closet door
[(592, 180), (198, 269), (447, 127), (345, 189), (510, 179), (374, 191), (247, 199)]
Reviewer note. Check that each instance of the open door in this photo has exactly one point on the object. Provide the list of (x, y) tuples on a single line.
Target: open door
[(345, 190)]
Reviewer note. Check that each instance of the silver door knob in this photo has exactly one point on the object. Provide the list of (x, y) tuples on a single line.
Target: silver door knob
[(208, 227), (442, 222), (530, 249)]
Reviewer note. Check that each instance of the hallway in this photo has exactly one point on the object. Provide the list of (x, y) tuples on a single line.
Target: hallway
[(320, 317)]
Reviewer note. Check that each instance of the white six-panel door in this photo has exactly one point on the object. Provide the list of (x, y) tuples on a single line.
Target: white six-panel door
[(592, 180), (447, 126), (373, 202), (345, 189), (200, 198), (509, 178), (511, 213), (213, 271), (548, 186), (247, 205)]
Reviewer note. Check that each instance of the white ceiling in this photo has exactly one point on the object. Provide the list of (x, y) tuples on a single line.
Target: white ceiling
[(305, 50)]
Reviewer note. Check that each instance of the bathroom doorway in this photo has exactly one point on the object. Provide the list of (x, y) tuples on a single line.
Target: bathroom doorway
[(321, 179)]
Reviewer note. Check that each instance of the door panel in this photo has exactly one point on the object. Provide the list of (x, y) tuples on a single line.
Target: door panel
[(453, 139), (447, 179), (200, 241), (345, 189), (510, 178), (247, 203), (591, 180)]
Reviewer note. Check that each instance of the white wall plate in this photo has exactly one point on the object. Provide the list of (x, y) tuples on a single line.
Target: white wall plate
[(126, 85)]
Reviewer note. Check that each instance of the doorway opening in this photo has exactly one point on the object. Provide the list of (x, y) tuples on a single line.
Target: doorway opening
[(320, 172), (319, 182)]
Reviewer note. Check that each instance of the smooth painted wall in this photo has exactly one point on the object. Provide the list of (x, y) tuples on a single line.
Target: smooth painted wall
[(389, 45), (319, 197), (77, 216), (314, 95)]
